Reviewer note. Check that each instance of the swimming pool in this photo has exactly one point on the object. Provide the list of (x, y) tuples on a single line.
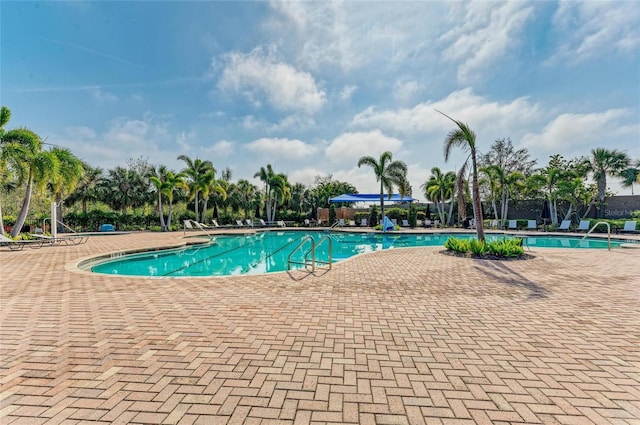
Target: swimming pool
[(268, 251)]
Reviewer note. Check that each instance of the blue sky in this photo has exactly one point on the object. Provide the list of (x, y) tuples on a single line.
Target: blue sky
[(310, 87)]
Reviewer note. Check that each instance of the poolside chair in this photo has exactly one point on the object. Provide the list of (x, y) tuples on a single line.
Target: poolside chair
[(249, 222), (341, 222), (19, 244), (262, 223), (629, 227), (215, 224), (363, 222), (394, 221), (405, 223), (428, 223), (61, 240), (513, 225), (532, 225), (493, 224), (281, 223), (584, 226), (352, 223), (188, 225), (564, 226), (239, 223)]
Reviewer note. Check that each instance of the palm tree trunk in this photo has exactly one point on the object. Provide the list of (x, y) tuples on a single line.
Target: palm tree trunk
[(204, 211), (1, 222), (162, 224), (168, 226), (602, 188), (476, 199), (382, 204), (59, 214), (17, 228), (450, 213)]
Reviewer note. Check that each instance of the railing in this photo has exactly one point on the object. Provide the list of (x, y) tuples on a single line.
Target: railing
[(304, 240), (199, 226), (330, 247), (608, 232), (311, 252)]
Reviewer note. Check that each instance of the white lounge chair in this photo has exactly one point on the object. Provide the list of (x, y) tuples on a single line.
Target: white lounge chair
[(564, 226), (215, 224), (363, 222), (405, 223), (513, 225), (281, 223), (262, 223), (493, 224), (249, 222), (62, 240), (583, 226), (239, 223), (188, 225), (532, 225), (428, 223), (352, 223), (629, 227), (19, 244), (341, 222)]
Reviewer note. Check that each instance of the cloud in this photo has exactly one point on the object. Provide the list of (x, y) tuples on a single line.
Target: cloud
[(262, 78), (347, 92), (477, 111), (349, 147), (100, 95), (352, 35), (221, 149), (404, 91), (570, 132), (483, 32), (283, 148), (595, 28)]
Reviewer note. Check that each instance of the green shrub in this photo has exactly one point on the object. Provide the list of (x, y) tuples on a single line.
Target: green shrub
[(373, 216), (333, 216), (457, 245), (413, 216), (510, 248), (478, 247)]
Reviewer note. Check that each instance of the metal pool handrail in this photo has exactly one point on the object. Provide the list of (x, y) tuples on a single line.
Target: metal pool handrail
[(330, 259), (608, 232), (304, 240)]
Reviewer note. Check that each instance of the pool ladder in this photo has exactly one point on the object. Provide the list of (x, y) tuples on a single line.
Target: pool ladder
[(313, 261), (608, 232)]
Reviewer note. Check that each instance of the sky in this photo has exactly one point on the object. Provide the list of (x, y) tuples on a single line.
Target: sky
[(310, 87)]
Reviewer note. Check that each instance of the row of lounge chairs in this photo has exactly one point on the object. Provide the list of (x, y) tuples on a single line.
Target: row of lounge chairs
[(565, 226), (39, 241), (194, 225)]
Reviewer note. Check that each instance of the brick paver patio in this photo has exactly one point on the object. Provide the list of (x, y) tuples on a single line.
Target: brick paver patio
[(406, 336)]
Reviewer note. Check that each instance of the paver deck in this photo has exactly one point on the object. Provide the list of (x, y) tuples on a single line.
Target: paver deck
[(405, 336)]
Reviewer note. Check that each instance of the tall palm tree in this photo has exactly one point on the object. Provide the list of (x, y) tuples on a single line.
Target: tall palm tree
[(172, 183), (63, 182), (212, 186), (465, 138), (388, 172), (245, 193), (631, 175), (88, 188), (438, 189), (267, 175), (603, 162), (197, 170)]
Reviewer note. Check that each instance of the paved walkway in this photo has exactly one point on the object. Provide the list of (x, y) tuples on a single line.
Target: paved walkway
[(406, 336)]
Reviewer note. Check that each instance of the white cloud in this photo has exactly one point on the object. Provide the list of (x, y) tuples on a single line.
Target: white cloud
[(347, 92), (404, 91), (220, 149), (570, 132), (483, 32), (596, 28), (480, 113), (261, 77), (349, 147), (282, 148), (100, 95), (294, 121)]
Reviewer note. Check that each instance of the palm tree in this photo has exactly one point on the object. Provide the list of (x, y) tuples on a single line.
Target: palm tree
[(438, 189), (172, 183), (88, 188), (245, 194), (125, 188), (388, 172), (603, 162), (197, 170), (212, 186), (267, 175), (631, 175), (69, 173), (465, 138)]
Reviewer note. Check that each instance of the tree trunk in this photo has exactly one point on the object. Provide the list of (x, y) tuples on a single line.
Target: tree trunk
[(169, 217), (450, 213), (382, 203), (59, 214), (476, 199), (24, 210), (163, 227), (602, 188), (1, 222)]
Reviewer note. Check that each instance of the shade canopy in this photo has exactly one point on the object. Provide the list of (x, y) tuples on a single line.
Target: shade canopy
[(369, 197)]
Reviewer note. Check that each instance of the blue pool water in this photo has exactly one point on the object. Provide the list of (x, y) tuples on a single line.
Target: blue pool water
[(266, 252)]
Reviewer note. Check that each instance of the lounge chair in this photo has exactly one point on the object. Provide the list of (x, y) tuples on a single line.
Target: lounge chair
[(394, 221), (532, 225), (564, 226), (352, 223), (107, 228), (493, 224), (20, 244), (513, 225), (61, 240), (341, 222), (239, 223), (215, 224), (188, 225), (363, 222), (262, 223), (428, 223), (629, 227), (405, 223), (584, 226), (249, 222), (281, 223)]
